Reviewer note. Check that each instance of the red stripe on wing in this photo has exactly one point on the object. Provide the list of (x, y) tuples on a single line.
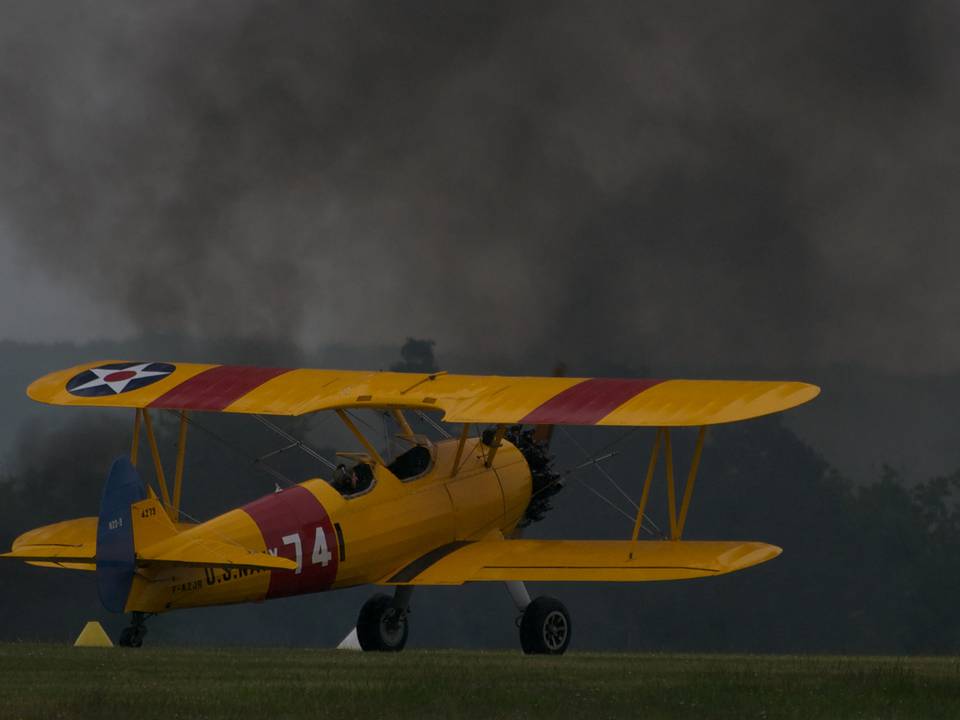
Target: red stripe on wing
[(216, 388), (588, 402)]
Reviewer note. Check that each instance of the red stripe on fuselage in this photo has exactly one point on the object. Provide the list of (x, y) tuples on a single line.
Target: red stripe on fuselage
[(216, 388), (588, 402), (290, 518)]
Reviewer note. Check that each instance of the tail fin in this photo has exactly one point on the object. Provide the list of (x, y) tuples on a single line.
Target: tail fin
[(133, 529), (151, 524), (116, 556)]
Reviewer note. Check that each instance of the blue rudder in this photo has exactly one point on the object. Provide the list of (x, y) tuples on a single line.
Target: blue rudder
[(116, 558)]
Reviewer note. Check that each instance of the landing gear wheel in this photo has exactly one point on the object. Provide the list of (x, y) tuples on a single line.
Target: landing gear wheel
[(545, 627), (382, 626), (133, 636)]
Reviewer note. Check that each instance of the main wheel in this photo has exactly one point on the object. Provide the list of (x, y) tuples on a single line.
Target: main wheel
[(545, 627), (132, 636), (381, 626)]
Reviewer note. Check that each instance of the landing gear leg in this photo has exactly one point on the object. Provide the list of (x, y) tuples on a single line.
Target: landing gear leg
[(133, 636), (382, 625), (518, 593)]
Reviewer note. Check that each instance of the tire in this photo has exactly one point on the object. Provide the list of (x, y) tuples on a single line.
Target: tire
[(132, 637), (382, 627), (545, 627)]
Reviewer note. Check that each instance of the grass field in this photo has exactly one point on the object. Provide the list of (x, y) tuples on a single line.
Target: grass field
[(48, 681)]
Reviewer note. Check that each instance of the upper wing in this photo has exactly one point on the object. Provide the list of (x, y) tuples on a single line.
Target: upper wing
[(463, 398), (589, 560)]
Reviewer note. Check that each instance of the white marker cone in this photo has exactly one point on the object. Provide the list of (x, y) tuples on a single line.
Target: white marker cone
[(350, 642)]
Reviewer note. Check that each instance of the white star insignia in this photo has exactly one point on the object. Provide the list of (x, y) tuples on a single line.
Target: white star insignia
[(117, 380)]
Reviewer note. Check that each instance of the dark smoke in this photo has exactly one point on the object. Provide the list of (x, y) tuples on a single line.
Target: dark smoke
[(417, 356), (718, 181)]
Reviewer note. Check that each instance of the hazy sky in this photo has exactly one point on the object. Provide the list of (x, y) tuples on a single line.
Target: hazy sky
[(734, 182)]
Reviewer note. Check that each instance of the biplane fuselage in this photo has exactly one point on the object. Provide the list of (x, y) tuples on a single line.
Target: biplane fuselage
[(340, 542)]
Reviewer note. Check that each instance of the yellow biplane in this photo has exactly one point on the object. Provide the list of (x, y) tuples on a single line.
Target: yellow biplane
[(436, 513)]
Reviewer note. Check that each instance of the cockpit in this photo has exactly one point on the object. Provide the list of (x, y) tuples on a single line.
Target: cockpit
[(353, 480), (412, 457), (414, 461)]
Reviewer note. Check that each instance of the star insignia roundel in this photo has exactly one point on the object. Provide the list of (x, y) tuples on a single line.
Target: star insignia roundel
[(116, 378)]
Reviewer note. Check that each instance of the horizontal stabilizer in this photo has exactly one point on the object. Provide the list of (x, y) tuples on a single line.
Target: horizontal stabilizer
[(157, 542), (50, 554), (71, 544), (579, 560), (204, 552), (54, 554)]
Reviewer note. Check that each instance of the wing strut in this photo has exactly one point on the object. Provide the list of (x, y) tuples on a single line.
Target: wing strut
[(460, 444), (651, 467), (172, 506), (399, 418), (157, 465), (135, 443), (367, 445), (677, 522), (691, 479), (495, 444), (178, 473)]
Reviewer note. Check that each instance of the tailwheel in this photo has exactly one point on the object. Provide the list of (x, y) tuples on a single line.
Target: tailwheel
[(382, 625), (133, 635), (545, 627)]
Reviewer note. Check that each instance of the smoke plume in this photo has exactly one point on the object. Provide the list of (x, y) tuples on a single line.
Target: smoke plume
[(719, 181)]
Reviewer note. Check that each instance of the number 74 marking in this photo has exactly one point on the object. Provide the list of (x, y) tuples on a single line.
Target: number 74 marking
[(321, 554)]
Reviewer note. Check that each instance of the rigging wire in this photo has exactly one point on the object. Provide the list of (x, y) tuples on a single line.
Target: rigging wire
[(294, 442), (609, 477), (595, 460), (617, 440), (360, 420), (606, 500), (255, 461), (599, 468), (433, 423), (570, 473)]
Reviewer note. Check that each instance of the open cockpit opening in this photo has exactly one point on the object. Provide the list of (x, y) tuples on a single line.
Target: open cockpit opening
[(413, 462), (351, 481), (410, 456)]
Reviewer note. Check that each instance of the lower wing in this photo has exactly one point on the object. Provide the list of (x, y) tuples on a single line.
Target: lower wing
[(579, 560)]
